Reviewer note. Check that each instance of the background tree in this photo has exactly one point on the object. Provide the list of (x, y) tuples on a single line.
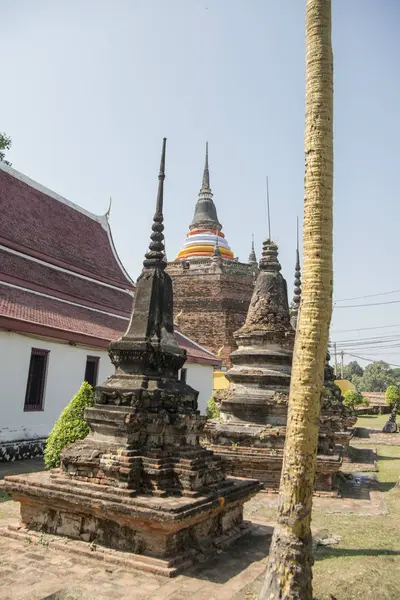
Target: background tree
[(288, 575), (351, 369), (5, 144), (392, 395), (376, 378), (352, 399)]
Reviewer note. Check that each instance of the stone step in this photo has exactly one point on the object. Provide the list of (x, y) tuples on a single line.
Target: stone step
[(166, 568)]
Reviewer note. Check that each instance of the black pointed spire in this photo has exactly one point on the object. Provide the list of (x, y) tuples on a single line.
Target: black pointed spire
[(151, 319), (252, 256), (206, 174), (156, 253), (294, 309), (205, 214)]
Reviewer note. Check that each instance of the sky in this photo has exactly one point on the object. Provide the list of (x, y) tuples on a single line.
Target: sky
[(89, 89)]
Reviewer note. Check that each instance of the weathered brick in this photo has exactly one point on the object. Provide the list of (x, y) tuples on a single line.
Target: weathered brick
[(211, 301)]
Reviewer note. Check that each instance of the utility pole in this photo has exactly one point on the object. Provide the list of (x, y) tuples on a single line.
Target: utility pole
[(335, 351), (341, 365)]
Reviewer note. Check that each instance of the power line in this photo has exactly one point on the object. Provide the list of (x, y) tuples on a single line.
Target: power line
[(365, 328), (368, 304), (367, 296), (383, 344), (370, 360), (396, 353), (387, 338)]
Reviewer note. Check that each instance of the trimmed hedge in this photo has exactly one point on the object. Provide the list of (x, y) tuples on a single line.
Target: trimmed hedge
[(69, 427), (213, 411)]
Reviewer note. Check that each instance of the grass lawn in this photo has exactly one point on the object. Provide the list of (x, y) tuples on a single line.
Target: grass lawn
[(366, 563), (373, 422)]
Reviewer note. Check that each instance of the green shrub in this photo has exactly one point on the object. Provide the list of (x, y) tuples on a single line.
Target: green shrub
[(69, 427), (392, 395), (352, 399), (212, 409)]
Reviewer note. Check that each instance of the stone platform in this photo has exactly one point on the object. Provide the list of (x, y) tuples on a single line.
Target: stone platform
[(266, 465), (162, 535)]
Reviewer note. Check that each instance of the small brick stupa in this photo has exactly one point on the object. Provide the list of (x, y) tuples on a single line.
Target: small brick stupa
[(140, 482), (250, 433)]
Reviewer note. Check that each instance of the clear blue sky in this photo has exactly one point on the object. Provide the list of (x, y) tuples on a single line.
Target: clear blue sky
[(90, 88)]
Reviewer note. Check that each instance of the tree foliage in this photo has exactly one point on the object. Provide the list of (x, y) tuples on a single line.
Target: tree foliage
[(69, 427), (5, 144), (376, 378), (352, 399), (352, 369), (392, 395)]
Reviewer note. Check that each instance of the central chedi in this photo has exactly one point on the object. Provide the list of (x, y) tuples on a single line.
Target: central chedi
[(251, 430), (212, 289), (140, 482)]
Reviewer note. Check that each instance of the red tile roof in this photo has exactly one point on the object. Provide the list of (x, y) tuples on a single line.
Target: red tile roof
[(40, 223), (22, 271), (60, 275), (23, 310)]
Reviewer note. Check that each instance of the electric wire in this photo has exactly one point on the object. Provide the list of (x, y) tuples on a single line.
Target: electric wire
[(367, 296)]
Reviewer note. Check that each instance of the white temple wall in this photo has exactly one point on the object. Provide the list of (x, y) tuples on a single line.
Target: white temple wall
[(65, 373), (200, 377)]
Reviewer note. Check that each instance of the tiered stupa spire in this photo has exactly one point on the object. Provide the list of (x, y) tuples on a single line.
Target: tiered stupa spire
[(251, 430), (252, 256), (205, 230), (294, 309), (295, 306)]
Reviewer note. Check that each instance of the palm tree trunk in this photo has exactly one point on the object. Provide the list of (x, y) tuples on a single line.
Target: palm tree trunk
[(289, 575)]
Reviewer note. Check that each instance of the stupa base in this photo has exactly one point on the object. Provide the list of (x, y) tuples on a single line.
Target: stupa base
[(161, 535), (266, 466)]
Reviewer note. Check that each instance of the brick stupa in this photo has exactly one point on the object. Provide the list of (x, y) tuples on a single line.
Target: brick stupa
[(251, 430), (140, 482), (212, 289)]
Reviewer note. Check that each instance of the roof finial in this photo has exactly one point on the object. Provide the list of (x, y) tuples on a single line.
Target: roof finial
[(155, 255), (206, 173), (107, 215), (294, 309), (252, 256), (268, 211)]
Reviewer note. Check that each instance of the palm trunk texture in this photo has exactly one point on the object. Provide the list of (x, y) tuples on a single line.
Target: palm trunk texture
[(289, 570)]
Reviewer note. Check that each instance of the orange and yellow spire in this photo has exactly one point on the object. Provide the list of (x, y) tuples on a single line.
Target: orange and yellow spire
[(205, 231)]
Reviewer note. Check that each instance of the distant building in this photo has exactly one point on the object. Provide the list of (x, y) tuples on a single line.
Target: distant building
[(345, 385), (212, 289), (64, 295)]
